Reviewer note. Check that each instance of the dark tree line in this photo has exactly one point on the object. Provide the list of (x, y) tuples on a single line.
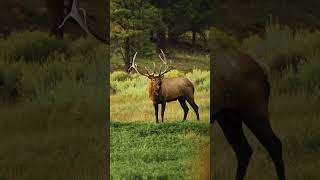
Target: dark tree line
[(135, 23)]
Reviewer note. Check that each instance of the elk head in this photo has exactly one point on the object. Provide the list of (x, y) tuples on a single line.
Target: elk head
[(155, 79)]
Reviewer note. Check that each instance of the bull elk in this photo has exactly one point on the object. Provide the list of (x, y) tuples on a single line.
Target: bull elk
[(240, 94), (163, 90)]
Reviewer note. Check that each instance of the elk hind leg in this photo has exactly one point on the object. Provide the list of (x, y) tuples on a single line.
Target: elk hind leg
[(261, 128), (232, 129), (194, 107), (184, 106)]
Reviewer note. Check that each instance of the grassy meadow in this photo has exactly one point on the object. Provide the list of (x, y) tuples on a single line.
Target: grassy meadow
[(51, 120), (293, 60), (176, 149)]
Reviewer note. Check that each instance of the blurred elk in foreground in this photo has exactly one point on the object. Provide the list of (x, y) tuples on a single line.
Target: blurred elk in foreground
[(240, 95), (163, 90)]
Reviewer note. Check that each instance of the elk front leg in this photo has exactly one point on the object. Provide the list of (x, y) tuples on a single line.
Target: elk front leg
[(163, 108), (156, 112)]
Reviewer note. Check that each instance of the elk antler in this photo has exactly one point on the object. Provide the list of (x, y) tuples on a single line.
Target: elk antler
[(167, 67), (135, 67), (82, 21)]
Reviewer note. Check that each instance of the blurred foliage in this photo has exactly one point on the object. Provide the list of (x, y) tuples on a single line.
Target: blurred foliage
[(50, 73), (245, 18), (283, 47)]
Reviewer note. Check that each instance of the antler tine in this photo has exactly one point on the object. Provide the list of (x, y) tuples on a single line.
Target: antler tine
[(154, 68), (164, 56), (74, 13), (135, 66), (166, 67), (84, 15), (148, 71)]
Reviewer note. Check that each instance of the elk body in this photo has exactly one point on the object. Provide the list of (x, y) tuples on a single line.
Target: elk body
[(240, 95), (163, 90)]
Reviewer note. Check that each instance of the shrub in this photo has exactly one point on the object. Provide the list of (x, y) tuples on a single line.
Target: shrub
[(120, 76), (174, 73), (306, 78), (84, 46), (220, 39), (282, 48), (10, 78), (201, 79), (31, 46)]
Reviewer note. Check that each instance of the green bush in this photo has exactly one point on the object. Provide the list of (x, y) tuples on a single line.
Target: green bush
[(120, 76), (31, 46), (282, 48), (220, 39), (84, 46), (10, 79), (174, 73), (306, 79), (201, 79)]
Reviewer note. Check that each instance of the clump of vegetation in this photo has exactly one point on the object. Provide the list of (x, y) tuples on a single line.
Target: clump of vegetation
[(136, 85), (221, 39), (291, 55), (28, 73), (282, 47), (305, 79), (31, 47)]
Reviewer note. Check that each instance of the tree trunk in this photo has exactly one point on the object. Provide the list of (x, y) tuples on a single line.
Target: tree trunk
[(152, 39), (194, 36), (127, 57), (172, 36), (161, 40), (56, 14)]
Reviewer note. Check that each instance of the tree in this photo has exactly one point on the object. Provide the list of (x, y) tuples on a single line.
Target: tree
[(187, 15), (131, 23), (199, 17)]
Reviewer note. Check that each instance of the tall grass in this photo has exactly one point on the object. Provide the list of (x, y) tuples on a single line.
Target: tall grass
[(52, 120), (282, 47)]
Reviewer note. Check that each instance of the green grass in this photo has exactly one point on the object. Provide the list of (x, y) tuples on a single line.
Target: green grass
[(175, 149), (166, 151)]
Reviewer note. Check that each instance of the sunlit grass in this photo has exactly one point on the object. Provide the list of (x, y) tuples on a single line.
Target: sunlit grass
[(140, 109)]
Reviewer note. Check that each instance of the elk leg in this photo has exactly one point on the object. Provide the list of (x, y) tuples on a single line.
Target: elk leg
[(163, 108), (156, 112), (261, 128), (194, 107), (232, 129), (184, 107)]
